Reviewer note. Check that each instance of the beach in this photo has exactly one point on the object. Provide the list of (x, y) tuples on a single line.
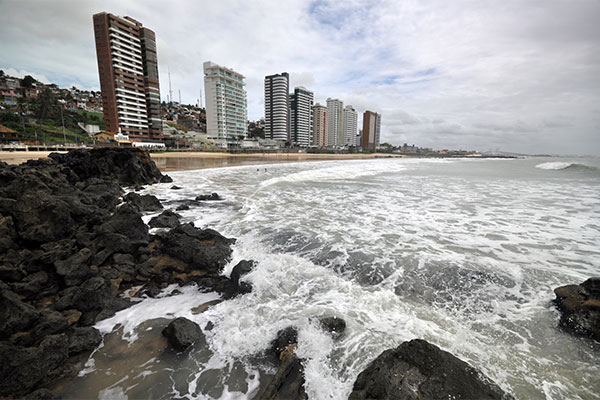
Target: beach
[(181, 161)]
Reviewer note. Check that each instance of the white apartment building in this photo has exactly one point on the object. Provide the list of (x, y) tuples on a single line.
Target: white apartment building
[(319, 125), (334, 122), (277, 107), (301, 117), (350, 126), (226, 104)]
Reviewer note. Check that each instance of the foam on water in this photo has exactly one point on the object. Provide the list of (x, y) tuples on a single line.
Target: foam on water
[(399, 249)]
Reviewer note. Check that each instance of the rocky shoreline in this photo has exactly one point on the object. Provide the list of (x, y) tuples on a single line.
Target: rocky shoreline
[(71, 243)]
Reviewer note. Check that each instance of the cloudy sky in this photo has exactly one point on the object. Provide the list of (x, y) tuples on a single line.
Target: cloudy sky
[(513, 75)]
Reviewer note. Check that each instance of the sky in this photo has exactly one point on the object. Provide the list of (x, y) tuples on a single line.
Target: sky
[(511, 75)]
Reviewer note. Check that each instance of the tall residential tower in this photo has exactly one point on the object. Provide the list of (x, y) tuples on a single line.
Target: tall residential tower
[(319, 125), (334, 122), (371, 130), (128, 70), (301, 117), (226, 104), (277, 107), (350, 126)]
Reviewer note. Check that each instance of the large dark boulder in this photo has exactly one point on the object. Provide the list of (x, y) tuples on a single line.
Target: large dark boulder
[(420, 370), (127, 222), (580, 308), (84, 339), (8, 233), (15, 315), (288, 382), (242, 268), (167, 219), (208, 197), (75, 269), (203, 249), (285, 337), (128, 167), (334, 325), (182, 333), (143, 203), (22, 368)]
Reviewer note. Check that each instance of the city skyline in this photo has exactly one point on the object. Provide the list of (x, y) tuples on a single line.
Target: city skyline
[(515, 76)]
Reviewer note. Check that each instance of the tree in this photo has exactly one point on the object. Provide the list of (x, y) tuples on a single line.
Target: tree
[(45, 104), (28, 81)]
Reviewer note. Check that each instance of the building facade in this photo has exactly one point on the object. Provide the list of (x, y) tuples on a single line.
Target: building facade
[(128, 69), (226, 105), (301, 117), (350, 126), (277, 107), (371, 130), (334, 122), (319, 126)]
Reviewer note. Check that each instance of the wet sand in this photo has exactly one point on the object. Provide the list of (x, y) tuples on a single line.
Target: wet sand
[(178, 161), (19, 157), (198, 160)]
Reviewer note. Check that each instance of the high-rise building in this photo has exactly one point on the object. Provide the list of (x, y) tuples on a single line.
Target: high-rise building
[(371, 130), (226, 104), (128, 70), (334, 122), (319, 125), (277, 107), (301, 117), (350, 126)]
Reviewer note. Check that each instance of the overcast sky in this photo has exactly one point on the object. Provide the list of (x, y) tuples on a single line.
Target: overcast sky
[(519, 75)]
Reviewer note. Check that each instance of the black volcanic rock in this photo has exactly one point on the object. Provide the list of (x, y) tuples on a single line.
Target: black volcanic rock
[(15, 315), (285, 338), (580, 308), (334, 325), (143, 203), (204, 249), (419, 370), (128, 167), (208, 197), (167, 219), (182, 333), (242, 268)]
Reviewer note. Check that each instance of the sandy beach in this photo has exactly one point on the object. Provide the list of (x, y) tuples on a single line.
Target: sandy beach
[(177, 161)]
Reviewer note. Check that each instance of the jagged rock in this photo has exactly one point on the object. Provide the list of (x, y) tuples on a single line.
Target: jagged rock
[(336, 326), (31, 285), (580, 308), (242, 268), (175, 187), (182, 207), (15, 315), (75, 269), (143, 203), (285, 338), (127, 222), (166, 179), (127, 166), (21, 368), (288, 382), (420, 370), (167, 219), (203, 249), (84, 339), (208, 197), (8, 234), (182, 333), (42, 394)]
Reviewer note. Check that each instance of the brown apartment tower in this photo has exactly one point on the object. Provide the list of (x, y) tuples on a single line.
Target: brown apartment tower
[(128, 70), (371, 130)]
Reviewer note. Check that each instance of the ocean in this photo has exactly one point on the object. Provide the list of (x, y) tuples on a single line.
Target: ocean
[(464, 253)]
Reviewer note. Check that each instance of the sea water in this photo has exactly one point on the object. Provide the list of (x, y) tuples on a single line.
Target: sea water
[(463, 253)]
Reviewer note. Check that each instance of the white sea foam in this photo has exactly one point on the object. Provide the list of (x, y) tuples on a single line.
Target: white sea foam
[(399, 249), (556, 165)]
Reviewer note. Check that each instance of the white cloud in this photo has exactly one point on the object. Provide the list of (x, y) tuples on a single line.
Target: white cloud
[(514, 75)]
